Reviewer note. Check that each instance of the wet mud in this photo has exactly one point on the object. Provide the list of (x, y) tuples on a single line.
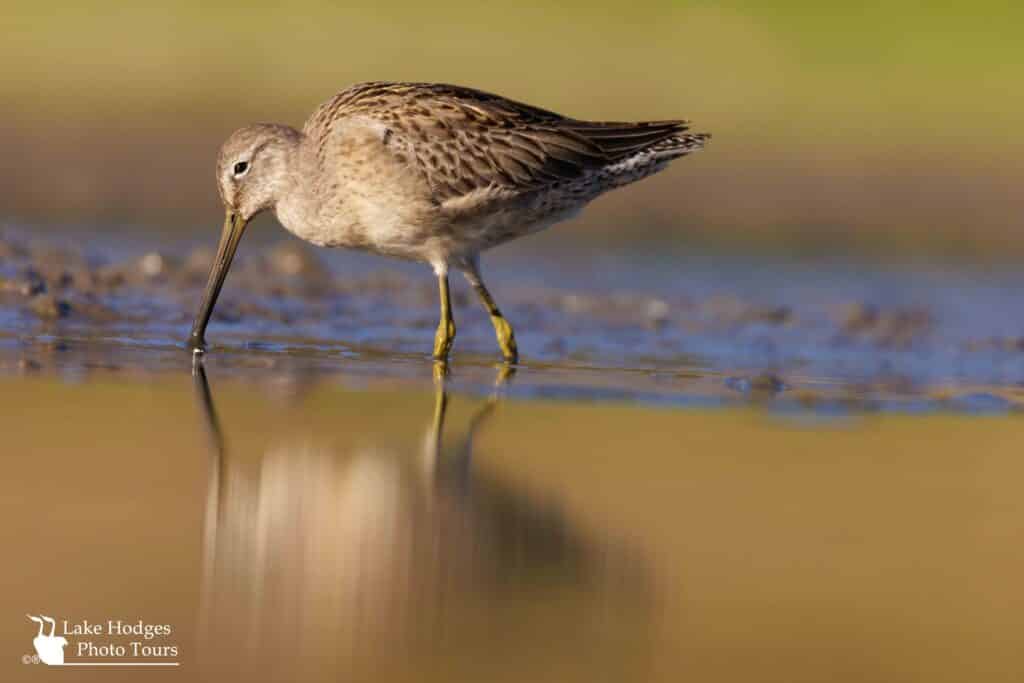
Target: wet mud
[(689, 338)]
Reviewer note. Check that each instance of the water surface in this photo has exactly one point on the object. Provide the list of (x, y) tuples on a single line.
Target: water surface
[(354, 526), (714, 472)]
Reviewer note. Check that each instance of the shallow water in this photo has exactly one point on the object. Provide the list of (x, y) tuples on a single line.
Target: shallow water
[(304, 525), (706, 470), (665, 326)]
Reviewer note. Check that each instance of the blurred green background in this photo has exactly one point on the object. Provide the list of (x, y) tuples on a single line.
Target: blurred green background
[(888, 129)]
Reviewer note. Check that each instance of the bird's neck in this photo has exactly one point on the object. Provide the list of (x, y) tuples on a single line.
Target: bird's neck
[(298, 206)]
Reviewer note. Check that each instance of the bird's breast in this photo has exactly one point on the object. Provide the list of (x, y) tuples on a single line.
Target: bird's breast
[(380, 219), (355, 193)]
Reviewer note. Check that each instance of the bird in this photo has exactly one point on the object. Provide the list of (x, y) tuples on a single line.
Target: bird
[(428, 172)]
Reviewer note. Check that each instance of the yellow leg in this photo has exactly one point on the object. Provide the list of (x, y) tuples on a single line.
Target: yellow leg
[(502, 328), (440, 407), (433, 438), (505, 374), (446, 329), (459, 459)]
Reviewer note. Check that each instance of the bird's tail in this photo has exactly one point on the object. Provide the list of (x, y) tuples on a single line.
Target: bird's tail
[(620, 141), (679, 145)]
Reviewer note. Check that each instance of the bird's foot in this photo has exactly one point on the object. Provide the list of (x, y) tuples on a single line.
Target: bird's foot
[(506, 339), (443, 340), (506, 371), (441, 371)]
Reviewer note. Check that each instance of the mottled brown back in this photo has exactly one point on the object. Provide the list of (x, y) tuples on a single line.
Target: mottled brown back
[(464, 140)]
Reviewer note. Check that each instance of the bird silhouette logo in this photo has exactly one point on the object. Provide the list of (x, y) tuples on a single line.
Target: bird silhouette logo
[(50, 648)]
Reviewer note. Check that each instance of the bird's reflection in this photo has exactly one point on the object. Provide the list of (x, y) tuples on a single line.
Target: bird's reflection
[(347, 555)]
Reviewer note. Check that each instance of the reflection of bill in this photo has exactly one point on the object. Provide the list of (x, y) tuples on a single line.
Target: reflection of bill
[(50, 648), (352, 555)]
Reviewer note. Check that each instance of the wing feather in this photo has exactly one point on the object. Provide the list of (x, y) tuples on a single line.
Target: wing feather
[(464, 140)]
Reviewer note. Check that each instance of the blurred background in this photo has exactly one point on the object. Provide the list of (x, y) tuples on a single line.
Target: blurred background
[(883, 130), (721, 363)]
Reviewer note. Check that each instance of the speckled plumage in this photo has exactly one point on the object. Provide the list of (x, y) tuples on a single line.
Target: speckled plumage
[(436, 173), (440, 173)]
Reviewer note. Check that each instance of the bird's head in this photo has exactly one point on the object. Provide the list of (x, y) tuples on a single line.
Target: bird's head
[(253, 168), (253, 172)]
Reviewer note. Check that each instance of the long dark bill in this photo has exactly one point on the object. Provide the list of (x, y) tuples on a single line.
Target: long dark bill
[(234, 226)]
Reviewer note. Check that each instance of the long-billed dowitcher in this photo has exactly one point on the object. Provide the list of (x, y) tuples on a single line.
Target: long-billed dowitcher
[(428, 172)]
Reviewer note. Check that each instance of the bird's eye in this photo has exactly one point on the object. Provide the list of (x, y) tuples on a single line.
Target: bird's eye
[(241, 167)]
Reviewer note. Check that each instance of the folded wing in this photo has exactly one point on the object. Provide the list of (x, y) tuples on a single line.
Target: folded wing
[(464, 140)]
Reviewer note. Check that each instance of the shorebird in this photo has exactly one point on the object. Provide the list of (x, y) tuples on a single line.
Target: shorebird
[(428, 172)]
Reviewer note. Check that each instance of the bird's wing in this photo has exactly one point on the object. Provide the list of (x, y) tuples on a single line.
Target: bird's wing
[(464, 140)]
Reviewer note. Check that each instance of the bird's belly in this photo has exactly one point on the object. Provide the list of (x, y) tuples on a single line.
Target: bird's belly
[(498, 227), (420, 232), (367, 226)]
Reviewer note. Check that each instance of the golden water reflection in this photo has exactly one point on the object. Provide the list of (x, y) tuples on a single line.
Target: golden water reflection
[(351, 561), (342, 527)]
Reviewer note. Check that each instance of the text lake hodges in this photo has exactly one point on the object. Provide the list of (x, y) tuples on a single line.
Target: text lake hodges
[(113, 627)]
